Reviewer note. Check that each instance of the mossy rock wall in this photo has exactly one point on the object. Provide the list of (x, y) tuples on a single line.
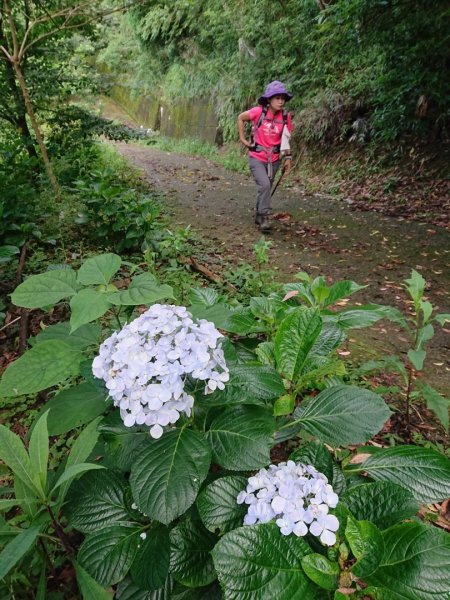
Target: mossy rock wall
[(180, 120)]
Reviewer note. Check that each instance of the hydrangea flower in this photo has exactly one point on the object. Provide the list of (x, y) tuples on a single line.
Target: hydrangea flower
[(296, 496), (146, 363)]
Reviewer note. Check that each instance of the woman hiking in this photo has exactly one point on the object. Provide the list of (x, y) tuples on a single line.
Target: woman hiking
[(271, 130)]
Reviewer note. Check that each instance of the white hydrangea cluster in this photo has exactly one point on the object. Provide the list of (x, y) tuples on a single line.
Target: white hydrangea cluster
[(297, 496), (145, 365)]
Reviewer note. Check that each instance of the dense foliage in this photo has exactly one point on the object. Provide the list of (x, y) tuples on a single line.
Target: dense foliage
[(359, 69)]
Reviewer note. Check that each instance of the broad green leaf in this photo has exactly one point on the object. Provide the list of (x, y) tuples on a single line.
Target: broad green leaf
[(73, 471), (258, 563), (17, 548), (13, 454), (343, 414), (423, 471), (142, 290), (97, 501), (38, 451), (243, 322), (217, 504), (417, 358), (151, 565), (317, 455), (330, 338), (203, 296), (82, 448), (342, 289), (29, 497), (217, 314), (190, 560), (425, 334), (415, 565), (381, 502), (241, 438), (295, 338), (86, 306), (127, 590), (256, 381), (108, 554), (435, 402), (363, 316), (45, 289), (85, 336), (167, 474), (89, 588), (284, 405), (367, 545), (39, 368), (442, 318), (99, 270), (415, 285), (321, 570), (74, 407)]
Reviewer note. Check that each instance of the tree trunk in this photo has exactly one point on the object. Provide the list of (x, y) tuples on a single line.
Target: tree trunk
[(36, 129)]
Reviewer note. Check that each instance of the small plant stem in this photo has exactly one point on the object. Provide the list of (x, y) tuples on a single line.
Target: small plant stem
[(408, 398), (60, 533)]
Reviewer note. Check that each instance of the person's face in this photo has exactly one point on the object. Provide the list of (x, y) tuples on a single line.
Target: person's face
[(277, 102)]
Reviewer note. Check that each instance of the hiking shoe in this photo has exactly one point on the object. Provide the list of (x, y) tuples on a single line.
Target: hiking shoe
[(258, 219), (264, 224)]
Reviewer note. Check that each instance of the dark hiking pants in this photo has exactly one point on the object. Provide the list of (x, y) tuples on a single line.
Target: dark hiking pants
[(263, 183)]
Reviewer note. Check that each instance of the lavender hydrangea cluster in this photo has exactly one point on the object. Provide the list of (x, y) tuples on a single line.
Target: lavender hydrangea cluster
[(145, 365), (297, 496)]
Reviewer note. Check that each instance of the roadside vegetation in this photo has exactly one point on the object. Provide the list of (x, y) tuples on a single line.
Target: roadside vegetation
[(136, 435)]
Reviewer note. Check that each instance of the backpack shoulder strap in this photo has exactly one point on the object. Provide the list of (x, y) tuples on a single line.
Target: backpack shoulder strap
[(262, 117), (285, 117)]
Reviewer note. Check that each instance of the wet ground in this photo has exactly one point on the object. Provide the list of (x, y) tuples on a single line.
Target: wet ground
[(313, 233)]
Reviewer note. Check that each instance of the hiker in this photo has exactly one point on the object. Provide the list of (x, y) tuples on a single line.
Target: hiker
[(271, 130)]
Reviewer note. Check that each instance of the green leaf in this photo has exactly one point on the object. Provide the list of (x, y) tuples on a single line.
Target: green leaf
[(89, 588), (86, 306), (99, 270), (167, 474), (151, 565), (126, 590), (243, 322), (217, 504), (108, 554), (217, 314), (203, 296), (258, 562), (416, 358), (18, 547), (73, 471), (363, 316), (425, 334), (381, 502), (435, 402), (39, 368), (82, 448), (45, 289), (13, 454), (74, 407), (415, 563), (343, 414), (367, 545), (38, 451), (97, 501), (322, 571), (284, 405), (342, 289), (415, 285), (295, 338), (241, 437), (442, 318), (263, 383), (86, 335), (142, 290), (317, 455), (425, 472), (190, 560)]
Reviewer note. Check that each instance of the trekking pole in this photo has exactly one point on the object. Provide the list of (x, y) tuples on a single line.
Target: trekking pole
[(283, 171)]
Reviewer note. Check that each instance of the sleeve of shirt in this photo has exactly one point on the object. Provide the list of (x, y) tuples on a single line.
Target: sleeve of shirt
[(255, 113)]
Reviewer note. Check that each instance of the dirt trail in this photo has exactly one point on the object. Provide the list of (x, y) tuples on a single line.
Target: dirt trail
[(321, 236)]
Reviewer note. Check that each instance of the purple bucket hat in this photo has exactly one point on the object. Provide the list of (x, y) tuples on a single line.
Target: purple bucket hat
[(274, 88)]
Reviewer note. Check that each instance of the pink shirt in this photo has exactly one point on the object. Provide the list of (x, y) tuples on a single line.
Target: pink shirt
[(269, 132)]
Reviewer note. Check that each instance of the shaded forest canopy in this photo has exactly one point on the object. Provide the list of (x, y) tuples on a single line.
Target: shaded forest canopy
[(361, 70)]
